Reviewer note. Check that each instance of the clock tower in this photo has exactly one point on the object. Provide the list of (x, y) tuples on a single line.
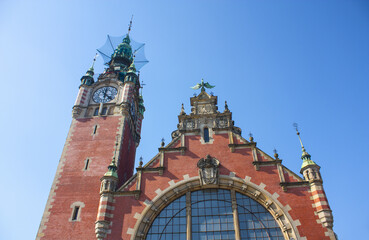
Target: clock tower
[(105, 132)]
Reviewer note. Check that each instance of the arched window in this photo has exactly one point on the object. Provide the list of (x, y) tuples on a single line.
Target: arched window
[(206, 134), (104, 110), (213, 217), (96, 112)]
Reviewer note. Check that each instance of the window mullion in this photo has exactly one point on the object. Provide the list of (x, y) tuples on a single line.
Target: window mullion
[(188, 216), (235, 215)]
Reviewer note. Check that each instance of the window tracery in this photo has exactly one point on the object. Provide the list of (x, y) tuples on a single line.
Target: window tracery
[(212, 217)]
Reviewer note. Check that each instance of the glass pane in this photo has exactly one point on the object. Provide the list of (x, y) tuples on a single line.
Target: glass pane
[(171, 222), (212, 216), (256, 222)]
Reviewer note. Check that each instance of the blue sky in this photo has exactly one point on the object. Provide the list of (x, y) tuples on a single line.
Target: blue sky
[(275, 62)]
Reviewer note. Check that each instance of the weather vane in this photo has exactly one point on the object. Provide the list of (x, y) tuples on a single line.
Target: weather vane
[(130, 25), (202, 85), (298, 134)]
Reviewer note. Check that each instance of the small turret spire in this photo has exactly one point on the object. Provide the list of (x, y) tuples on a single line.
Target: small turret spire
[(306, 157), (88, 78), (112, 168)]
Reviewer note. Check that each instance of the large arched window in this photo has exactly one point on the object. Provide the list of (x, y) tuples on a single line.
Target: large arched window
[(214, 214)]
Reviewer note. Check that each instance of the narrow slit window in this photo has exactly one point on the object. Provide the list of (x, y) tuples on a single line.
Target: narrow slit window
[(75, 213), (104, 110), (206, 134), (95, 129), (87, 163), (96, 112)]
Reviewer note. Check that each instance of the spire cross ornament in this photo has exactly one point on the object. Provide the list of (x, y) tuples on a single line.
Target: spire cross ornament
[(93, 63), (130, 25), (202, 85)]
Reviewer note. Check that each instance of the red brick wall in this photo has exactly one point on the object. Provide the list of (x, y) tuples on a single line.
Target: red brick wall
[(78, 185)]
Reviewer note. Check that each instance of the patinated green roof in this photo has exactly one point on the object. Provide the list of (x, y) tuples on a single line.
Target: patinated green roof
[(124, 49), (112, 170), (306, 159)]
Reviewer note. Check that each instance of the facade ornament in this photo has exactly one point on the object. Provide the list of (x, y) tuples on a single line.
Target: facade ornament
[(76, 111), (251, 137), (226, 107), (182, 110), (208, 170), (202, 85)]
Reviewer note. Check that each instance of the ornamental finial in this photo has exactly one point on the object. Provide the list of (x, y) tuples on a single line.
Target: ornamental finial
[(251, 137), (276, 156), (202, 85), (182, 110), (226, 107)]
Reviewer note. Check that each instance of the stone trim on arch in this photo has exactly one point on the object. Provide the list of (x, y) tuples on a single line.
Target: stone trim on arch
[(244, 186)]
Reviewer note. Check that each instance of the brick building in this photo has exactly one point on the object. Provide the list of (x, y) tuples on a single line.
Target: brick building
[(207, 183)]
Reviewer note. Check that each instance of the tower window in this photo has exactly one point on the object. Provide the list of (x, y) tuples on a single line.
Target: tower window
[(95, 129), (104, 110), (206, 134), (96, 112), (75, 213), (87, 162)]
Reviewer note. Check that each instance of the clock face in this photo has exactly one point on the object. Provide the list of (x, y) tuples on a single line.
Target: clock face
[(104, 94)]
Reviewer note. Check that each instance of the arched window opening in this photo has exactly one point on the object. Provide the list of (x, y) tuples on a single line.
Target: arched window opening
[(104, 111), (206, 134), (96, 112), (212, 216)]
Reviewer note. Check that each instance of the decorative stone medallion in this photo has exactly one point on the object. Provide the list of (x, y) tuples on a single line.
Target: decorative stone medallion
[(208, 170)]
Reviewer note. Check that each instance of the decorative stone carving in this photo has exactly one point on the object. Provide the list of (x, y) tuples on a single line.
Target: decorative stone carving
[(175, 134), (222, 122), (76, 111), (190, 125), (208, 170)]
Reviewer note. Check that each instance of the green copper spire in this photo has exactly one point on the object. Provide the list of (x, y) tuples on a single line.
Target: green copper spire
[(88, 78), (306, 157), (132, 67), (202, 85), (112, 168), (123, 53), (124, 50)]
